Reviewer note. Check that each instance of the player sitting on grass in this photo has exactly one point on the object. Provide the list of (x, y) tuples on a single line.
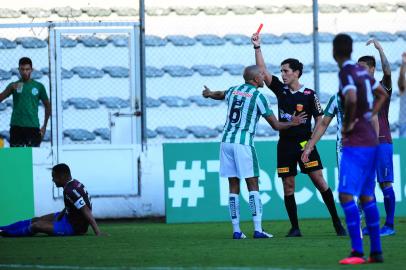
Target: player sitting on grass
[(74, 219)]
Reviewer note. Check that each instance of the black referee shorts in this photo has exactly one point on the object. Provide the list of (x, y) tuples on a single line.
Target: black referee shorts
[(289, 154)]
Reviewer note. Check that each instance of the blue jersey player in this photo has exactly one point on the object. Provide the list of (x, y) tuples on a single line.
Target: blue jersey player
[(357, 170), (74, 219)]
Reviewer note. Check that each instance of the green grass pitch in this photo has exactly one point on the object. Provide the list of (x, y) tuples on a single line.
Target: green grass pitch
[(152, 245)]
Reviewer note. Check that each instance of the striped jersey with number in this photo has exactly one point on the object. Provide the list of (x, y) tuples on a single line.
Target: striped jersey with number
[(335, 108), (245, 105)]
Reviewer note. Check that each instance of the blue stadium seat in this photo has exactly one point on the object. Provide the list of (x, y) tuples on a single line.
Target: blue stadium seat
[(185, 11), (204, 102), (87, 72), (383, 36), (328, 67), (67, 74), (79, 134), (5, 75), (208, 70), (9, 102), (178, 71), (157, 11), (44, 70), (233, 69), (202, 131), (47, 136), (274, 69), (307, 68), (118, 40), (116, 71), (271, 39), (5, 134), (384, 7), (272, 99), (114, 102), (31, 42), (326, 8), (297, 8), (237, 39), (151, 133), (174, 101), (326, 37), (219, 128), (393, 96), (401, 34), (152, 102), (297, 38), (210, 40), (172, 132), (97, 11), (151, 72), (271, 9), (91, 41), (265, 131), (65, 105), (181, 40), (83, 103), (67, 12), (104, 133), (154, 41), (125, 11), (68, 42), (324, 97), (7, 44), (35, 13), (3, 106), (358, 37)]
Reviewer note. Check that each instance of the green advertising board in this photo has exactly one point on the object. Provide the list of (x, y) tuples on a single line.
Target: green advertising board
[(194, 191), (16, 185)]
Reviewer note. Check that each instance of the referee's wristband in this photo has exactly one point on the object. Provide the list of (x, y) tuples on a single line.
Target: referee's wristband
[(257, 47)]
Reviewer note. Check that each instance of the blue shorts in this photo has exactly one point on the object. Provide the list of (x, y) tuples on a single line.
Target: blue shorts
[(62, 227), (384, 163), (357, 171)]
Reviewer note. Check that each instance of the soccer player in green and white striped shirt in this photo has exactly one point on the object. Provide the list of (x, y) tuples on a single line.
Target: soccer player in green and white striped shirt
[(238, 159)]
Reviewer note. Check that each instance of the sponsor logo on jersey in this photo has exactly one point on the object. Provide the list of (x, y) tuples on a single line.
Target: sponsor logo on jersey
[(238, 93), (283, 170), (34, 91), (311, 164), (307, 92), (284, 115), (299, 107)]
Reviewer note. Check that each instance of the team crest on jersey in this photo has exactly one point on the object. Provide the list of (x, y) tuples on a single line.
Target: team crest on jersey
[(307, 92), (299, 107), (34, 91)]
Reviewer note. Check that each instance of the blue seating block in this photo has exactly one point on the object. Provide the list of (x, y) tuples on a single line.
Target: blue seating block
[(324, 97), (118, 40), (47, 136), (172, 132), (234, 69), (83, 103), (154, 41), (271, 39), (181, 40), (265, 131), (92, 41), (114, 102), (34, 75), (237, 39), (5, 75), (79, 134), (178, 71), (204, 102), (5, 134), (297, 38), (151, 133), (383, 36), (3, 106), (202, 131), (152, 102), (87, 72), (208, 70), (68, 42), (174, 101), (67, 74), (358, 37), (328, 67), (31, 42), (331, 130), (116, 71), (210, 40), (326, 37), (7, 44), (152, 72), (104, 133)]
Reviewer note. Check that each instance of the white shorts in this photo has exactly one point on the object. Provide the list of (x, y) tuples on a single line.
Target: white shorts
[(238, 160)]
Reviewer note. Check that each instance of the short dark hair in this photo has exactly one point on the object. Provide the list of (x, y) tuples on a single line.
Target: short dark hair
[(294, 64), (61, 169), (342, 45), (369, 60), (25, 61), (251, 72)]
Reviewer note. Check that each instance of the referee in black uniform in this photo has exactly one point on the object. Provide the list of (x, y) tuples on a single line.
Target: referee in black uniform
[(295, 97)]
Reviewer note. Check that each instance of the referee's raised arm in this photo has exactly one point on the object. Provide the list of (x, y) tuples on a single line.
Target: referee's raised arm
[(259, 59)]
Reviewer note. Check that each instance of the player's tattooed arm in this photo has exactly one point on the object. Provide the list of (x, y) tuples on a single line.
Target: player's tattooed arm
[(385, 64), (218, 95)]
